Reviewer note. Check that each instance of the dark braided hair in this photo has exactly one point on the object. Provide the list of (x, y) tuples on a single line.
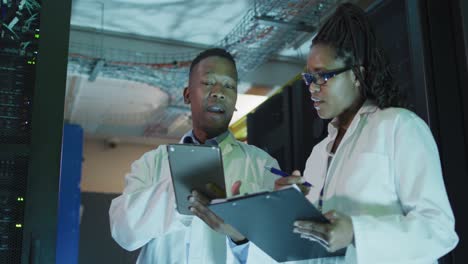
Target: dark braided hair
[(350, 33)]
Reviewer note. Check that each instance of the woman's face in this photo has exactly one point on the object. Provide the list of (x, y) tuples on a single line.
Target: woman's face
[(340, 94)]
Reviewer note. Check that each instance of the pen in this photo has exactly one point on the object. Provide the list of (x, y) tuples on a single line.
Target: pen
[(284, 174)]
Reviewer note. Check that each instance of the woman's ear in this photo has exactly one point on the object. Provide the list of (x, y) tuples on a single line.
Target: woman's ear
[(186, 95), (362, 70), (356, 79)]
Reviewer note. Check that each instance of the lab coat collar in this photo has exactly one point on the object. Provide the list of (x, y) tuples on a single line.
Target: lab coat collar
[(225, 141), (367, 107)]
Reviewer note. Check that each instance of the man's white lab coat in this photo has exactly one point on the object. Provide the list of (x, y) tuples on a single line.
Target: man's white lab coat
[(144, 216)]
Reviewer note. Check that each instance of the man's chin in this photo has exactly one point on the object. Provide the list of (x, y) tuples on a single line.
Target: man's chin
[(215, 129)]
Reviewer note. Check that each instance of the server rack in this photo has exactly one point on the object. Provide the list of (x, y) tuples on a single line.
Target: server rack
[(33, 62)]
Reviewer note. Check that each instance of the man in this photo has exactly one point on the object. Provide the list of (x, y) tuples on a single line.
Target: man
[(144, 216)]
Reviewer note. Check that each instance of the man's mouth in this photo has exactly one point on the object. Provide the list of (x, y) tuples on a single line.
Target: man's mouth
[(216, 108)]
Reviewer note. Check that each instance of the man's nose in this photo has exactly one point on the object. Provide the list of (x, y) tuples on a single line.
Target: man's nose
[(217, 91)]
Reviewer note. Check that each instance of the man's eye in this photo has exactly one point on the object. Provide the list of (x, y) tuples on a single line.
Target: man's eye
[(229, 86), (208, 82)]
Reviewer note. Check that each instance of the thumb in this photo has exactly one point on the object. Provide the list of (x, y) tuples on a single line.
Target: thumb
[(235, 189), (331, 215), (296, 173)]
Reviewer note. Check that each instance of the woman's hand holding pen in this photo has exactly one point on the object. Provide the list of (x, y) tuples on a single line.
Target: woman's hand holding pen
[(333, 236), (295, 178), (199, 207)]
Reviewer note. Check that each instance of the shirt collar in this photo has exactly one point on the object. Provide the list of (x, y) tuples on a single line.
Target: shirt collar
[(224, 138)]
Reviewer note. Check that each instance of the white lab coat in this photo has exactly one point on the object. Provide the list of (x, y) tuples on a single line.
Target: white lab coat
[(144, 216), (386, 175)]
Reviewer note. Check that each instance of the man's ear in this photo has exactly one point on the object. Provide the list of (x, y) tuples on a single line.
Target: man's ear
[(186, 95)]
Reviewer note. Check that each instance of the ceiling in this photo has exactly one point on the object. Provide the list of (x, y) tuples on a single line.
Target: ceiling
[(129, 60), (198, 21)]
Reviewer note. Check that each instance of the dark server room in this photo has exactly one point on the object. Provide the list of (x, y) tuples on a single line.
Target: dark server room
[(250, 131)]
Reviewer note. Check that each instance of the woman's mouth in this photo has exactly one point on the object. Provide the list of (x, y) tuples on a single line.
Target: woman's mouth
[(317, 102)]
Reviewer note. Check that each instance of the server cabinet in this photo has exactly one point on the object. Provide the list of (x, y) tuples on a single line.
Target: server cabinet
[(33, 63)]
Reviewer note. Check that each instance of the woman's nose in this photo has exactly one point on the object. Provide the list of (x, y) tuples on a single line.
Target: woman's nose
[(314, 88)]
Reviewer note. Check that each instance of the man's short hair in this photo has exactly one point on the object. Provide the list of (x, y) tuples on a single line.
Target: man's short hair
[(214, 52)]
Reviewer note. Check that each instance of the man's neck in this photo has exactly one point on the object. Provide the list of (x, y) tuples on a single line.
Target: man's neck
[(202, 136)]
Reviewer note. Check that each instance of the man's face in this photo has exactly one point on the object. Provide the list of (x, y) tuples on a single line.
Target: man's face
[(212, 94)]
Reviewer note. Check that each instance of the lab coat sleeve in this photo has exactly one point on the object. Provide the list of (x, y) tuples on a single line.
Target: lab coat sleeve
[(145, 209), (239, 252), (425, 230)]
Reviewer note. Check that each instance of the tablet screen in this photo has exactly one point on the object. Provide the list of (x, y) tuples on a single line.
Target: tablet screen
[(195, 167)]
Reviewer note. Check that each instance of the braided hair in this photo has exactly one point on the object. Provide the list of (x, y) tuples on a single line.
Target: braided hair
[(350, 33)]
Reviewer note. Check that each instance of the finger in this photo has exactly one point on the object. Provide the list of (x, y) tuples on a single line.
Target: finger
[(311, 233), (296, 173), (331, 215), (315, 239), (204, 211), (314, 226), (201, 208), (304, 189), (235, 189), (332, 249), (289, 180), (197, 196), (208, 218), (215, 191)]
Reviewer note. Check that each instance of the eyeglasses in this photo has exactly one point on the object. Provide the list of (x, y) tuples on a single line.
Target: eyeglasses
[(320, 78)]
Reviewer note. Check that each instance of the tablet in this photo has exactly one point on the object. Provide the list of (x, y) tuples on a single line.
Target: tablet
[(195, 167)]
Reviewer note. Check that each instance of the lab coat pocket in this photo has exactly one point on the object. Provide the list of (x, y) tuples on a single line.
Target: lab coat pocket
[(368, 178)]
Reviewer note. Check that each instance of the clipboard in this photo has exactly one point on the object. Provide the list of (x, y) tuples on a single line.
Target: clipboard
[(267, 218), (194, 167)]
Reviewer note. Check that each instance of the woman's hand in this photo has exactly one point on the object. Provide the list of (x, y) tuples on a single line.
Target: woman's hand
[(333, 236), (295, 178)]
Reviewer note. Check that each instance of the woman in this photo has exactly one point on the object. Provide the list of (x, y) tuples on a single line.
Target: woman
[(377, 176)]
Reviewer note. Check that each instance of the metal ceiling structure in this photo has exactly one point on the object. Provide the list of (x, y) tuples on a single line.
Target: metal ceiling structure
[(267, 28)]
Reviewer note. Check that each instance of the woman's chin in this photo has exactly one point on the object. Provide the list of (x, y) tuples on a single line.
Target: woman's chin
[(323, 114)]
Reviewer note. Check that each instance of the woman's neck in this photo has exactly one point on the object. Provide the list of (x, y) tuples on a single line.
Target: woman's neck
[(345, 118)]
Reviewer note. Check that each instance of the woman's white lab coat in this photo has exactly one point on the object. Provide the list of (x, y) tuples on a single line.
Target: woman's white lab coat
[(386, 175)]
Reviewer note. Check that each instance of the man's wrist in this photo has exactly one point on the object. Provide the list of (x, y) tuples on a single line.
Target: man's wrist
[(239, 241)]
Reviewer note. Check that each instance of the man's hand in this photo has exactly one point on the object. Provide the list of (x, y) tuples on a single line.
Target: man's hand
[(333, 236), (199, 207), (295, 178)]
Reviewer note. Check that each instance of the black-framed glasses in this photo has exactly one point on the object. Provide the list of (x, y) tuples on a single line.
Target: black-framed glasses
[(321, 78)]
